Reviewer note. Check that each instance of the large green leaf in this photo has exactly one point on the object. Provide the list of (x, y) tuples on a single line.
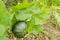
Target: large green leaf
[(22, 15), (33, 28), (23, 5), (2, 29), (3, 37), (2, 7), (36, 29), (5, 18)]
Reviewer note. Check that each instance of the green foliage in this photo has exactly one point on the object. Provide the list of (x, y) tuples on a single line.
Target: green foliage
[(34, 27), (22, 15), (3, 37), (35, 13), (2, 29), (23, 5), (37, 16), (5, 19)]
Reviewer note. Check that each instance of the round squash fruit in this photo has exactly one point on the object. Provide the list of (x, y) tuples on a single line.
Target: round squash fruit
[(19, 29)]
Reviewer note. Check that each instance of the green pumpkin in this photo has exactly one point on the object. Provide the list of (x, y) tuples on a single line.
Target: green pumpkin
[(20, 29)]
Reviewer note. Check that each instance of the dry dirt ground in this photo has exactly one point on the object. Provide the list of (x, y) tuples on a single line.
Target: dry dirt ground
[(52, 33)]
